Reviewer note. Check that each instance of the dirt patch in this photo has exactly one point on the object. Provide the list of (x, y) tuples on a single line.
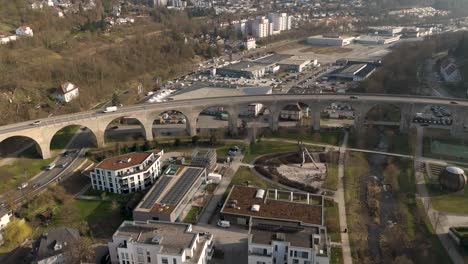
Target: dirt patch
[(326, 50)]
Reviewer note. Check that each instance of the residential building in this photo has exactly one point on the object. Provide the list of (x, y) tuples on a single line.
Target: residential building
[(242, 26), (171, 195), (294, 112), (160, 3), (159, 243), (51, 246), (24, 31), (273, 241), (262, 28), (280, 21), (127, 173), (330, 40), (205, 158), (284, 226), (249, 43), (5, 217), (67, 92)]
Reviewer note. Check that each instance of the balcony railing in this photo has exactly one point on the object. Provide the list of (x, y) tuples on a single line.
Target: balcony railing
[(260, 254)]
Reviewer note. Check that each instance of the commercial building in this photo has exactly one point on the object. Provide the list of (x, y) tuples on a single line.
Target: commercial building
[(353, 72), (376, 40), (246, 69), (205, 158), (203, 90), (293, 64), (51, 246), (171, 194), (322, 40), (155, 242), (386, 31), (284, 226), (272, 241), (127, 173)]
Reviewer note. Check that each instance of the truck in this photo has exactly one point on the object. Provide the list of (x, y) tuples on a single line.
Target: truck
[(110, 109)]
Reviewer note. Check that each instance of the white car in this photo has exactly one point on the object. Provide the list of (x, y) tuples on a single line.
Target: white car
[(35, 123), (222, 223), (50, 166)]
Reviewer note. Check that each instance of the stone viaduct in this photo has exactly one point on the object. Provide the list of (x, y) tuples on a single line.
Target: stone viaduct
[(97, 121)]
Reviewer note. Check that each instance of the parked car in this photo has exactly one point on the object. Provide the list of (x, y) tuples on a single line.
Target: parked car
[(35, 123), (23, 185), (223, 223)]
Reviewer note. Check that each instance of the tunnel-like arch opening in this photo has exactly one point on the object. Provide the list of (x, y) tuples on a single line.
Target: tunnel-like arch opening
[(337, 114), (124, 128), (20, 146), (383, 113), (434, 115), (213, 119), (73, 137), (171, 123), (254, 118)]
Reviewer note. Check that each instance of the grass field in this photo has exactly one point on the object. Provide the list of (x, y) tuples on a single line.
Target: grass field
[(192, 215), (267, 147), (332, 220), (244, 174), (21, 170), (331, 182), (336, 256), (446, 201), (332, 138), (63, 136)]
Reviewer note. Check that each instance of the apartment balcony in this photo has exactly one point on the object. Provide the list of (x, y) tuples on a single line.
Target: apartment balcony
[(260, 254), (138, 169)]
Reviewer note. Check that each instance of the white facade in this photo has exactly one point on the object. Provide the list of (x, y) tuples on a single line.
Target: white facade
[(329, 41), (67, 92), (5, 218), (145, 242), (261, 28), (280, 21), (250, 44), (24, 31), (127, 176)]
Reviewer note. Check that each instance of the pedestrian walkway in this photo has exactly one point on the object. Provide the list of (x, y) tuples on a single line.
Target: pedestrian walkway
[(339, 197)]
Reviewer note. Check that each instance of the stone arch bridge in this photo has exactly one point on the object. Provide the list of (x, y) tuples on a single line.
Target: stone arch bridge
[(97, 121)]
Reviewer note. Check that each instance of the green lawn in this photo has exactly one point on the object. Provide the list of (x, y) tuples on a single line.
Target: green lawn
[(113, 196), (20, 171), (446, 201), (244, 174), (331, 138), (192, 215), (14, 234), (267, 147), (331, 182), (332, 220), (336, 255), (63, 136)]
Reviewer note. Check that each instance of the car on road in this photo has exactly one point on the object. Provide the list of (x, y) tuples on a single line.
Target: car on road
[(453, 102), (223, 223), (424, 125), (36, 185), (35, 123), (63, 165), (50, 166), (114, 127), (23, 185), (353, 97), (66, 153)]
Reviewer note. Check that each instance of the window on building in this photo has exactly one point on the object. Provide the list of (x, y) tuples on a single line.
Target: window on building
[(148, 258), (295, 253), (305, 255), (295, 261), (174, 261), (123, 256), (276, 248), (108, 173), (261, 262), (164, 260), (265, 251)]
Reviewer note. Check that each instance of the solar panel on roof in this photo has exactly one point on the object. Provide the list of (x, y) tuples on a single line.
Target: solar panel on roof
[(181, 187), (156, 192)]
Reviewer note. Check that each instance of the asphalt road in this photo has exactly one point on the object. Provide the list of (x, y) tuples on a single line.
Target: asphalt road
[(73, 160)]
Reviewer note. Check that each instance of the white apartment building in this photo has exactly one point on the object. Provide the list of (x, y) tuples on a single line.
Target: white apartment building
[(250, 44), (281, 21), (159, 243), (242, 27), (262, 28), (127, 173), (273, 242)]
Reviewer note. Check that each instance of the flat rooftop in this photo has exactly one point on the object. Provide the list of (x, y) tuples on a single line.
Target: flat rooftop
[(265, 231), (294, 61), (330, 37), (124, 161), (272, 58), (170, 188), (271, 208), (207, 91), (244, 66), (353, 68), (174, 237)]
